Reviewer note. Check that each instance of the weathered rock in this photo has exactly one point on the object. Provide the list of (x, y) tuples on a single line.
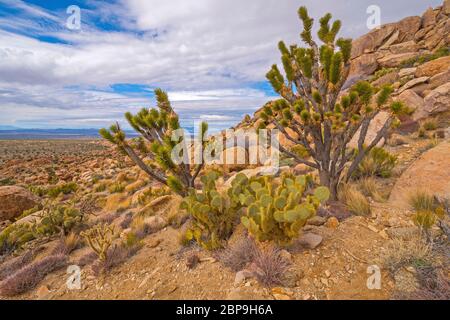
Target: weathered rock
[(155, 223), (394, 60), (389, 78), (372, 40), (435, 102), (14, 200), (433, 67), (413, 83), (439, 79), (411, 99), (406, 72), (310, 240), (446, 7), (375, 126), (429, 18), (404, 47), (317, 221), (241, 276), (429, 172), (363, 66)]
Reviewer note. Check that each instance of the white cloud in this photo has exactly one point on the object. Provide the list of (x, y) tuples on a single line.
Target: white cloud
[(206, 53)]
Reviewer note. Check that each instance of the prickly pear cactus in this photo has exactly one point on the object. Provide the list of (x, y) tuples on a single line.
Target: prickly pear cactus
[(56, 219), (214, 214), (275, 211)]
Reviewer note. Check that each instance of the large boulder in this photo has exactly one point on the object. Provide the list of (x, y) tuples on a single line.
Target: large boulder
[(430, 172), (14, 200), (435, 102), (395, 60), (433, 67), (375, 126), (411, 99), (364, 65)]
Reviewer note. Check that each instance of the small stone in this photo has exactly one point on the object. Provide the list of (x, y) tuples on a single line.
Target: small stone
[(332, 223), (324, 281), (281, 297), (310, 240), (286, 255), (154, 243), (42, 292), (327, 273), (241, 276), (317, 221)]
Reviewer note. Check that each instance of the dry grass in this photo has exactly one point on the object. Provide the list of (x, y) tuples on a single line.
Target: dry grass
[(239, 254), (15, 264), (421, 200), (401, 253), (370, 188), (269, 266), (355, 201)]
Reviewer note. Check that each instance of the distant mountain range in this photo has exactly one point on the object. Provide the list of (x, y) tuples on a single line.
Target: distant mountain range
[(14, 133)]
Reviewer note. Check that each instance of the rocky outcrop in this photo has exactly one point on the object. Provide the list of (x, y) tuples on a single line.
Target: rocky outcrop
[(394, 43), (14, 200), (430, 172), (437, 101)]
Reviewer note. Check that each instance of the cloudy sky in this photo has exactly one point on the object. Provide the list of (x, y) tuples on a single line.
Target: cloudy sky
[(210, 55)]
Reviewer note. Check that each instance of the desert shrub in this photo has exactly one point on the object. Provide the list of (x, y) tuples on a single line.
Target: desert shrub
[(15, 236), (402, 253), (213, 214), (7, 182), (192, 260), (115, 255), (420, 200), (13, 265), (117, 187), (378, 162), (430, 125), (29, 277), (126, 222), (65, 188), (58, 219), (100, 187), (269, 266), (28, 212), (355, 201), (238, 255), (380, 73), (67, 244), (434, 285), (369, 188), (152, 193), (276, 210), (100, 238)]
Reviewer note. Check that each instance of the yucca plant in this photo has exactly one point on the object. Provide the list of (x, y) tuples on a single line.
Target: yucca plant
[(155, 144), (318, 116)]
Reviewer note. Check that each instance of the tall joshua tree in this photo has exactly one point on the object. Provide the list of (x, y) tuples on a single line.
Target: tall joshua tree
[(152, 150), (321, 118)]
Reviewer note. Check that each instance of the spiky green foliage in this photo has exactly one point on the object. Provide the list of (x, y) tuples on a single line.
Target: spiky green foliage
[(319, 117), (275, 211), (155, 143), (57, 219), (378, 162), (15, 236), (213, 213)]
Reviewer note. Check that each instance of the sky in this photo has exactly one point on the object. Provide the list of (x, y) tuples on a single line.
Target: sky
[(211, 56)]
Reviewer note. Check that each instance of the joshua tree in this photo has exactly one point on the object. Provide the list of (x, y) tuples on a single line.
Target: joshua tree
[(155, 143), (314, 113)]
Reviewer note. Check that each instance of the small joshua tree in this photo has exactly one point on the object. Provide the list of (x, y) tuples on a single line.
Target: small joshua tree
[(314, 113), (156, 127)]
